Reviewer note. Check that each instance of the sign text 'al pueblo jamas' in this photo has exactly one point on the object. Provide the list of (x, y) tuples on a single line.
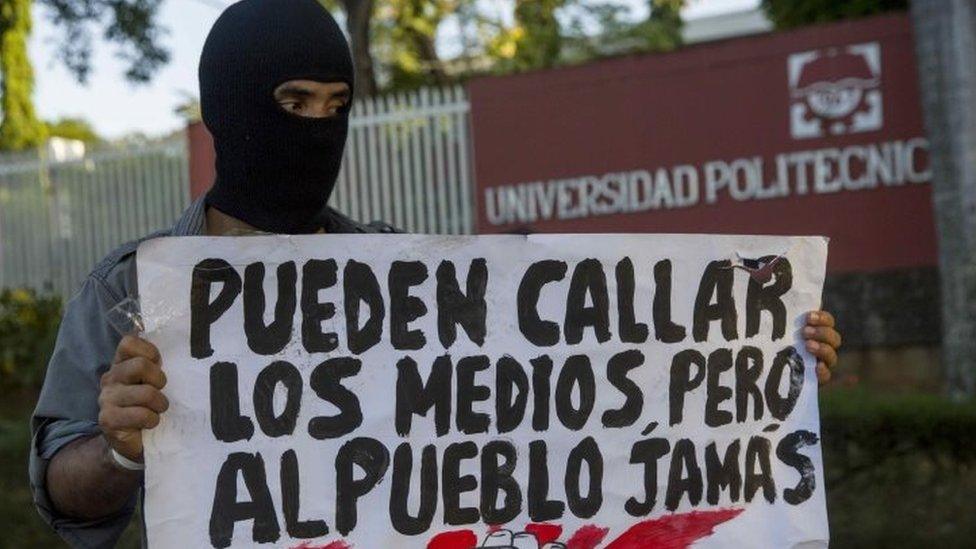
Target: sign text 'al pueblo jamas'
[(457, 392)]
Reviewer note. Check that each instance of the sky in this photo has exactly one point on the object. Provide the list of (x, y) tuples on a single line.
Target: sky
[(116, 107)]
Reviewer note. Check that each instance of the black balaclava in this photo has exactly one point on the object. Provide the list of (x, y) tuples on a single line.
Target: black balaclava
[(275, 169)]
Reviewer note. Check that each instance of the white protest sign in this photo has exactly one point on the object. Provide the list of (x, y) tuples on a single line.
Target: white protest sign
[(549, 391)]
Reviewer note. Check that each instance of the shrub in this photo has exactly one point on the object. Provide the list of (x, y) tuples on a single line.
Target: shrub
[(900, 469), (877, 426), (28, 328), (787, 14)]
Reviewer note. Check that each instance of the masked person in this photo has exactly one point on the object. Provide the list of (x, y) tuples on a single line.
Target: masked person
[(276, 82)]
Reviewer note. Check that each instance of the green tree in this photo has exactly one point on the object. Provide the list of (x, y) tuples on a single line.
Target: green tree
[(537, 35), (408, 41), (394, 41), (787, 14), (20, 128), (73, 128), (130, 25), (662, 30), (601, 29)]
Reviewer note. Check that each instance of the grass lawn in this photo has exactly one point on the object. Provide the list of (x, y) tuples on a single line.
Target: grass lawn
[(22, 527)]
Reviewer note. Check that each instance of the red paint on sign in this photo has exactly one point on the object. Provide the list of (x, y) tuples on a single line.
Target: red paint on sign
[(587, 537), (544, 533), (333, 545), (673, 531), (458, 539)]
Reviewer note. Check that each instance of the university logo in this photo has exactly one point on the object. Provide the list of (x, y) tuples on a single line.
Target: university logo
[(835, 91)]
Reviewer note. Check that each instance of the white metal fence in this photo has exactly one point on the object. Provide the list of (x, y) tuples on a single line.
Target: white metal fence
[(407, 162), (58, 219)]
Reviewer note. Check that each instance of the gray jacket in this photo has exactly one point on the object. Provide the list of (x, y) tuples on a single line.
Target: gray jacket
[(68, 405)]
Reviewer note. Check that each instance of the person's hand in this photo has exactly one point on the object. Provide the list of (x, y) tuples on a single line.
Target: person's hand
[(822, 340), (130, 398)]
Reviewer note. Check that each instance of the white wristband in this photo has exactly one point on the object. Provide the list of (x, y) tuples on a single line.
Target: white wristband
[(125, 462)]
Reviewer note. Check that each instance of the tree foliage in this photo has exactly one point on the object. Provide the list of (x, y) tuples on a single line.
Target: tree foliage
[(394, 42), (130, 25), (538, 39), (72, 128), (617, 33), (407, 41), (662, 30), (28, 327), (20, 128), (786, 14)]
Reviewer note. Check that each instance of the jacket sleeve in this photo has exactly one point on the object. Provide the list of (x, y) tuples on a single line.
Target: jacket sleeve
[(68, 407)]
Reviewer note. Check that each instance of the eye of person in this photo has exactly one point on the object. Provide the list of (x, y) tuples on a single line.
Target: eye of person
[(337, 106), (293, 106)]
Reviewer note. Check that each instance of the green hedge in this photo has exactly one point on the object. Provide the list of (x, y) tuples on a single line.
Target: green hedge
[(878, 425), (901, 470), (28, 328)]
